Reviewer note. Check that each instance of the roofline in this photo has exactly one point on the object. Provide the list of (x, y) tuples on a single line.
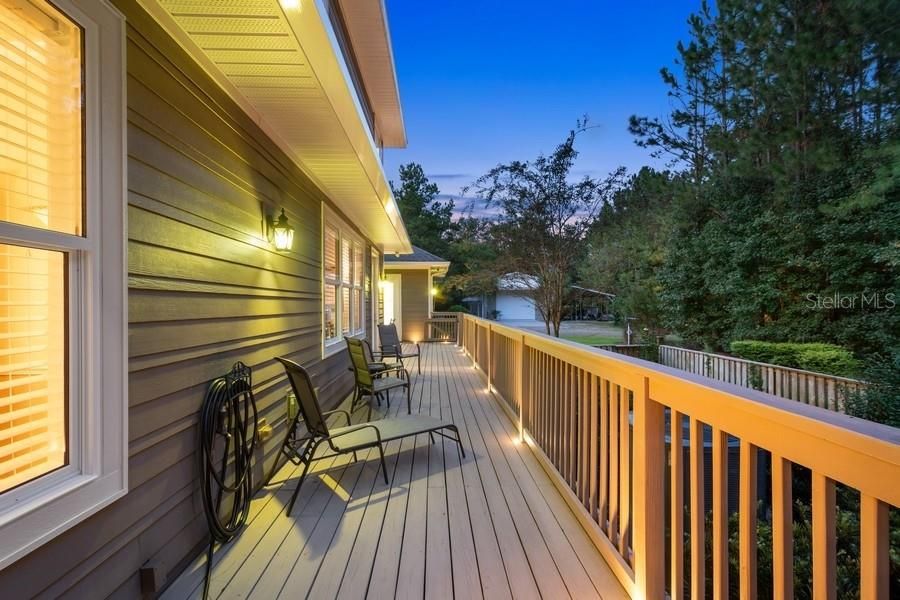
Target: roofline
[(370, 41)]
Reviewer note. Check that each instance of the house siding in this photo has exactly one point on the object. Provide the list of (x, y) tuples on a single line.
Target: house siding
[(204, 292), (414, 301)]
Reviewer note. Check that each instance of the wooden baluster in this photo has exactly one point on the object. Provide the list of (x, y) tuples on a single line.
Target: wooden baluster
[(676, 517), (593, 457), (698, 513), (720, 514), (649, 489), (747, 518), (521, 384), (625, 470), (873, 541), (565, 407), (603, 512), (782, 529), (823, 537), (584, 422), (613, 463), (573, 426)]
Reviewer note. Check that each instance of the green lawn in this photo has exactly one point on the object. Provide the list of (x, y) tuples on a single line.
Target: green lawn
[(593, 340)]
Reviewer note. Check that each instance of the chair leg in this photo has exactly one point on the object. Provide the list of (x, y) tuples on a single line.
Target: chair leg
[(459, 445), (383, 465), (306, 465), (431, 435), (408, 400)]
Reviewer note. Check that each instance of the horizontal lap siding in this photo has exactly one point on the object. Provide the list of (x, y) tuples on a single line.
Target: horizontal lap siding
[(414, 302), (204, 292)]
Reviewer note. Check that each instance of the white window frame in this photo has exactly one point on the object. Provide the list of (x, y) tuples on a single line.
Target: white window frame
[(345, 234), (97, 433)]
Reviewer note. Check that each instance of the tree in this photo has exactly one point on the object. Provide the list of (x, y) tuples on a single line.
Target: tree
[(784, 122), (626, 246), (543, 219), (428, 220)]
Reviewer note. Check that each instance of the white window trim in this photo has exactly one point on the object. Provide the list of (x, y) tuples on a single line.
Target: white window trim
[(97, 473), (334, 345)]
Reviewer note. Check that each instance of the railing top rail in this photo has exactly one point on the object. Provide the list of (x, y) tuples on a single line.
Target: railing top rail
[(762, 364), (748, 410)]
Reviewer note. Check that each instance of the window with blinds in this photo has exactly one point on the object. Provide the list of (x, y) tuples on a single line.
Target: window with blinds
[(41, 187), (343, 269)]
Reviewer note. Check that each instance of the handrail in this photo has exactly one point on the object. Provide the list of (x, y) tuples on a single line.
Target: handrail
[(602, 425), (848, 380)]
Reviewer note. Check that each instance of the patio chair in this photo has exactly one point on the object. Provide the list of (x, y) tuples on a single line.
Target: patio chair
[(375, 379), (350, 438), (392, 345)]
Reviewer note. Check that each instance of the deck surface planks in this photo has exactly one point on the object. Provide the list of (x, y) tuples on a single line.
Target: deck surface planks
[(493, 526)]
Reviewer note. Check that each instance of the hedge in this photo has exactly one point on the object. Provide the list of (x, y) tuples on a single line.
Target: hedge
[(818, 357)]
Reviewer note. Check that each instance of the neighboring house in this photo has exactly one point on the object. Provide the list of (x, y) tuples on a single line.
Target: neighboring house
[(408, 290), (512, 301), (146, 144)]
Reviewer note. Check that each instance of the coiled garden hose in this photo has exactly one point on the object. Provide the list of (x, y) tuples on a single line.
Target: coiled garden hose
[(228, 425)]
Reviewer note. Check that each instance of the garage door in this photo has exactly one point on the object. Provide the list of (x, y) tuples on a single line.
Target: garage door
[(514, 307)]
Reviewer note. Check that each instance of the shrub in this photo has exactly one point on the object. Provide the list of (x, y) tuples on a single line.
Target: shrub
[(458, 308), (880, 400), (818, 357)]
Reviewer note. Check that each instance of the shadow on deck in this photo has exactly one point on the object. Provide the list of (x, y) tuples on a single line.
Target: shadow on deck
[(492, 527)]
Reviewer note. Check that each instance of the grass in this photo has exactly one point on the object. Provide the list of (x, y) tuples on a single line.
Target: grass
[(593, 340)]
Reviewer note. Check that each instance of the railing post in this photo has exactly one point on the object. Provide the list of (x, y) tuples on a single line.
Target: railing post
[(523, 387), (649, 491), (489, 365)]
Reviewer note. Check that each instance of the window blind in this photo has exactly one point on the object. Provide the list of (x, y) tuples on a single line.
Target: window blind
[(32, 363), (331, 253), (40, 118), (41, 158)]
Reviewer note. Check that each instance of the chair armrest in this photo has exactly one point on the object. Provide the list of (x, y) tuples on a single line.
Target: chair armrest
[(359, 427), (343, 412), (399, 369)]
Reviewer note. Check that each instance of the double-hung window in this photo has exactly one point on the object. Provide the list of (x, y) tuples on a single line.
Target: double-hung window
[(62, 268), (343, 304)]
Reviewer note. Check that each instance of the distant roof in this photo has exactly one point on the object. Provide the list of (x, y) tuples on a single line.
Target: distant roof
[(517, 281), (418, 255), (590, 291)]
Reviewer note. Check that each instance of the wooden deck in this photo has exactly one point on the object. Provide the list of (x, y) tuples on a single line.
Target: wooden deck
[(492, 527)]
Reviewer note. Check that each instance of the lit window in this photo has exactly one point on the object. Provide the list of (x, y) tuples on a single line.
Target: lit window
[(62, 344), (343, 308)]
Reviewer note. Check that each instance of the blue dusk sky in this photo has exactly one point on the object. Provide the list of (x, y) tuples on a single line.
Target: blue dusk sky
[(488, 82)]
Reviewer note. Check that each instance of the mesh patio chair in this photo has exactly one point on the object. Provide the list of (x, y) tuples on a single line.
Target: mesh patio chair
[(375, 379), (350, 438), (392, 346)]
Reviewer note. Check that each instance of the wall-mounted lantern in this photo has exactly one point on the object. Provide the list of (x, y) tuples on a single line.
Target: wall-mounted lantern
[(280, 233)]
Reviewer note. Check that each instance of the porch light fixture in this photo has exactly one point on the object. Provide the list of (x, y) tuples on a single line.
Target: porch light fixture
[(434, 291), (281, 233)]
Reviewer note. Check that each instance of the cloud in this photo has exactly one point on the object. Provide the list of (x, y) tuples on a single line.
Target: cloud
[(448, 176)]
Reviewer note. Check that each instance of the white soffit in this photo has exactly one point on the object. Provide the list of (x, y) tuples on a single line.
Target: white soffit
[(366, 22), (285, 69)]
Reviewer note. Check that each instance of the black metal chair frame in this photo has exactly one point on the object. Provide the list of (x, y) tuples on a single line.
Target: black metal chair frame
[(302, 449), (366, 377), (392, 345)]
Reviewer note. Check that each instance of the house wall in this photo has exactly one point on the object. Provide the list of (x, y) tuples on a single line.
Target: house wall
[(414, 301), (515, 306), (204, 292)]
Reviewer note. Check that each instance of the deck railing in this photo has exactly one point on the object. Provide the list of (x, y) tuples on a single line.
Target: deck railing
[(808, 387), (604, 426), (442, 327)]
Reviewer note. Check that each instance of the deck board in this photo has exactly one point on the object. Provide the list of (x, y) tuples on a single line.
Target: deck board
[(491, 526)]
